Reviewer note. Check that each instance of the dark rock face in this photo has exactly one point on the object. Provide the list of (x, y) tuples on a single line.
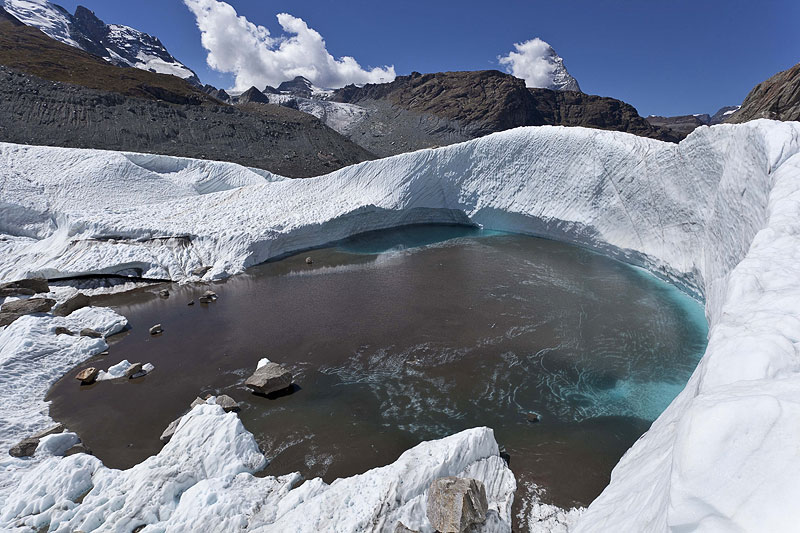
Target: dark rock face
[(427, 110), (275, 138), (13, 310), (252, 95), (299, 86), (722, 115), (455, 504), (681, 125), (777, 98), (73, 303)]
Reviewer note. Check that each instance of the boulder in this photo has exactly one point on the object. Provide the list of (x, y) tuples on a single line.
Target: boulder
[(93, 333), (26, 447), (73, 303), (227, 403), (197, 401), (61, 330), (269, 378), (455, 504), (163, 293), (402, 528), (200, 271), (15, 291), (156, 330), (133, 370), (87, 376), (170, 431), (78, 448), (27, 285), (10, 311)]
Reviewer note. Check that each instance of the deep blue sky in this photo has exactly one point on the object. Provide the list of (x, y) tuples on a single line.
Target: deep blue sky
[(669, 57)]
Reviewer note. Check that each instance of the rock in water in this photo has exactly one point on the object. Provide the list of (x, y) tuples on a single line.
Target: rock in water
[(87, 376), (13, 310), (26, 447), (455, 504), (89, 332), (156, 330), (208, 297), (78, 448), (309, 261), (163, 293), (73, 303), (133, 370), (227, 403), (269, 378)]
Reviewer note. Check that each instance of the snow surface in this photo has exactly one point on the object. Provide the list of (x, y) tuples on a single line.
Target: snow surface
[(51, 19), (718, 215), (338, 116)]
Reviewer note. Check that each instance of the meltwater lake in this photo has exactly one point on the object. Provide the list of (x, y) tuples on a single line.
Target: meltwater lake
[(401, 336)]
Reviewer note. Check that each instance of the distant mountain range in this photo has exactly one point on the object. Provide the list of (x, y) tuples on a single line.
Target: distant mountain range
[(683, 125), (119, 45)]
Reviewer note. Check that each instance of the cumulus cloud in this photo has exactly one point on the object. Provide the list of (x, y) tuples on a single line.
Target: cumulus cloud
[(256, 58), (537, 63)]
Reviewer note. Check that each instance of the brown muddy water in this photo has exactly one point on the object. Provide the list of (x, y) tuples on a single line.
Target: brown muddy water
[(402, 336)]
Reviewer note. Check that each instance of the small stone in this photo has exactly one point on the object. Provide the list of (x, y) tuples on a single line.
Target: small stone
[(201, 271), (133, 370), (197, 401), (309, 261), (73, 303), (87, 376), (163, 293), (191, 302), (101, 354), (93, 333), (156, 330), (271, 377), (455, 504), (534, 417), (61, 330), (166, 436)]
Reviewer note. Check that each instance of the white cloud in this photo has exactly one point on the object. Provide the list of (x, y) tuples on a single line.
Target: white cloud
[(537, 63), (248, 51)]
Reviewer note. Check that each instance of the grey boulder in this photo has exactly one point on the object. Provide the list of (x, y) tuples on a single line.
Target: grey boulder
[(13, 310), (455, 504), (269, 378), (166, 436), (26, 447), (134, 371), (73, 303)]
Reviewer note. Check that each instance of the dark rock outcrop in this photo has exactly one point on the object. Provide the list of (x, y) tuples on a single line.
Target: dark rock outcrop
[(777, 98), (24, 287), (252, 95), (427, 110)]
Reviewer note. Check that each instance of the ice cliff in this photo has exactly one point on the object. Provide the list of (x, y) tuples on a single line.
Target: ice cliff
[(718, 214)]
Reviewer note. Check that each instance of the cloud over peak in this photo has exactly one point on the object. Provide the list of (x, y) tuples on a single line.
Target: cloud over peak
[(256, 58), (537, 63)]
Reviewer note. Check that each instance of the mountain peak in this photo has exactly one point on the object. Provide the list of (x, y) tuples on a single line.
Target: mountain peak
[(117, 44)]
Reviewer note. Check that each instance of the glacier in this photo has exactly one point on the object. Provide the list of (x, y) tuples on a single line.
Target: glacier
[(718, 215)]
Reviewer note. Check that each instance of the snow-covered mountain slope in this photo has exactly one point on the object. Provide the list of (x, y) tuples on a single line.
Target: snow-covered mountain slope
[(536, 62), (120, 45), (718, 214), (303, 87)]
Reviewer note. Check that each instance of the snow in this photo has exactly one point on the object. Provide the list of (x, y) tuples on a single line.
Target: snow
[(117, 371), (336, 115), (202, 481), (49, 18), (717, 215)]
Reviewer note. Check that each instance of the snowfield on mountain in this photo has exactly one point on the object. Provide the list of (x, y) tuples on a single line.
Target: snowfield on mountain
[(718, 215)]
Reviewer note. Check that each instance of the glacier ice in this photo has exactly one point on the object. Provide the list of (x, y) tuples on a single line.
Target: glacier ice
[(717, 215)]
